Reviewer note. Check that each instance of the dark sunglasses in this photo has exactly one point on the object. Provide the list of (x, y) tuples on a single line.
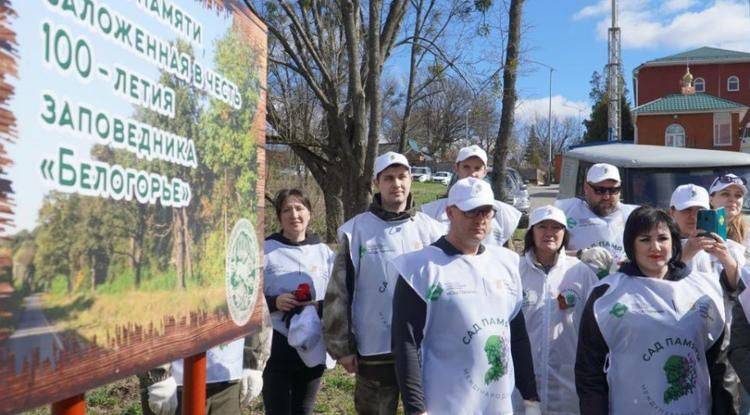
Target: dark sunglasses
[(480, 211), (729, 179), (606, 190)]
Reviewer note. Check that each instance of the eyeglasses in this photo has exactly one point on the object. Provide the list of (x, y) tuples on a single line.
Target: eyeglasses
[(606, 190), (729, 178), (484, 212)]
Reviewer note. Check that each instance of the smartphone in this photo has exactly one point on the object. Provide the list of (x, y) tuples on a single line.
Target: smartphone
[(713, 221)]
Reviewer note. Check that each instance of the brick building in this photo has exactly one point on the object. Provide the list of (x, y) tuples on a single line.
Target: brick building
[(694, 99)]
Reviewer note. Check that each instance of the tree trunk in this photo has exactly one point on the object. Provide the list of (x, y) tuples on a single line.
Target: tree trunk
[(178, 249), (136, 250), (188, 242), (513, 51), (334, 206)]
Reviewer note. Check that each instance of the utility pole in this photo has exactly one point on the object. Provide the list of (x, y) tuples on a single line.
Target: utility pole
[(613, 79)]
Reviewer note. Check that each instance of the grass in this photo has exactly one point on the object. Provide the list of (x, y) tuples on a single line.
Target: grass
[(427, 192), (336, 396)]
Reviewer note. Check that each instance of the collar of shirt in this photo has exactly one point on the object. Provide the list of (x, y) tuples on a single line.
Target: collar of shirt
[(451, 250)]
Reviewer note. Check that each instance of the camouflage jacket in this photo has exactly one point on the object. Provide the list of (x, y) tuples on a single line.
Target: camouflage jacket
[(256, 352)]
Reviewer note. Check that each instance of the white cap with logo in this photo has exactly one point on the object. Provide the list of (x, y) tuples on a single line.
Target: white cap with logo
[(722, 182), (689, 195), (602, 171), (471, 193), (548, 212), (472, 151), (388, 159)]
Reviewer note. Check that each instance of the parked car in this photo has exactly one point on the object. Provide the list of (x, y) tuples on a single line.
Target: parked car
[(651, 173), (421, 174), (443, 177)]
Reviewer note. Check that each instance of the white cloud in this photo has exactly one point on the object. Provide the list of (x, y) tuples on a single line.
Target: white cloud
[(676, 24), (528, 109)]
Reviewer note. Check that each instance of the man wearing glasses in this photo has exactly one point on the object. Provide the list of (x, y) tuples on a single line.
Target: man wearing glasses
[(459, 336), (597, 221)]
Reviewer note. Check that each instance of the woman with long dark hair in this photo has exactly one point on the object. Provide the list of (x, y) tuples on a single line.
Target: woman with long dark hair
[(651, 333)]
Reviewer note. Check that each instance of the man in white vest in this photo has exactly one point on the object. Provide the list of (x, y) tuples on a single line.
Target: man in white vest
[(358, 301), (459, 337), (472, 162), (598, 220)]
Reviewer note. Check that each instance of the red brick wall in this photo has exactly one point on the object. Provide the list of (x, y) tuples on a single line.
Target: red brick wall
[(698, 130), (656, 82)]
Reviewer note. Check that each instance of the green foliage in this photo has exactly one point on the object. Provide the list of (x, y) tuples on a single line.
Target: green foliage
[(422, 193), (535, 151), (597, 126), (494, 349)]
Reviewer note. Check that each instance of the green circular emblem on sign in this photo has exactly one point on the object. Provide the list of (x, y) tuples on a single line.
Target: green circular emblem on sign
[(242, 271)]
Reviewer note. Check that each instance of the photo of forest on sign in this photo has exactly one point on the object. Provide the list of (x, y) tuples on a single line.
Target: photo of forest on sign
[(94, 267)]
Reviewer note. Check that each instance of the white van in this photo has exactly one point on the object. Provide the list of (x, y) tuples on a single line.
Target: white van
[(650, 173)]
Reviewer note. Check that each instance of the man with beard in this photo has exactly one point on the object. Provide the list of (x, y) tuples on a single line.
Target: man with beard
[(598, 220)]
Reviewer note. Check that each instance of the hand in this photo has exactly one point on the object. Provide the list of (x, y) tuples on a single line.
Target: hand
[(719, 249), (695, 244), (599, 259), (162, 397), (286, 302), (251, 384), (349, 363), (532, 407)]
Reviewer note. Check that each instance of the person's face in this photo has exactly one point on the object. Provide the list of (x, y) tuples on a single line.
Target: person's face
[(687, 220), (653, 250), (471, 167), (472, 225), (294, 216), (603, 197), (394, 184), (730, 199), (548, 237)]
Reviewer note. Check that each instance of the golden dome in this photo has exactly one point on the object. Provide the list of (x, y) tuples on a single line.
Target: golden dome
[(687, 79)]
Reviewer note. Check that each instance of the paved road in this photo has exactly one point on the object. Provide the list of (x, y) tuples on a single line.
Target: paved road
[(542, 195), (33, 331)]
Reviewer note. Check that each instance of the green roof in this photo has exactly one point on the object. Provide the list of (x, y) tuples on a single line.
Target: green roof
[(687, 103), (703, 54)]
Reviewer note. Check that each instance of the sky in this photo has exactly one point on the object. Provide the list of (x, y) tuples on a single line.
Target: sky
[(571, 36)]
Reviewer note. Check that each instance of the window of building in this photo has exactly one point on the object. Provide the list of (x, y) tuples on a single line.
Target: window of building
[(733, 83), (700, 85), (722, 129), (674, 136)]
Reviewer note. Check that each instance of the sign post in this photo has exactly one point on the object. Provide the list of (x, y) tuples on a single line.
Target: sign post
[(194, 392), (75, 405)]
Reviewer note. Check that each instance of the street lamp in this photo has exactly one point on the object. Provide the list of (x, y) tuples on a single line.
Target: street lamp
[(549, 122)]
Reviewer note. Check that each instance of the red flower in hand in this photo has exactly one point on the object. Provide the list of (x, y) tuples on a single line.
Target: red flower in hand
[(302, 293)]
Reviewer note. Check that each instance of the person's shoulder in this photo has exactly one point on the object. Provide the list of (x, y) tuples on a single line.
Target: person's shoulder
[(567, 204), (434, 208), (348, 226), (627, 209), (502, 253)]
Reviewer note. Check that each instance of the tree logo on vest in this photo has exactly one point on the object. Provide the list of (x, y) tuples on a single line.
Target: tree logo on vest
[(241, 273), (497, 357), (618, 310), (434, 291), (681, 375)]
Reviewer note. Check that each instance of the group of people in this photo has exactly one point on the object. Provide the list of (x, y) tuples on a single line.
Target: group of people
[(610, 309)]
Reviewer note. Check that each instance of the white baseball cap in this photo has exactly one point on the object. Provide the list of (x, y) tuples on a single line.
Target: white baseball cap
[(722, 182), (472, 151), (689, 195), (388, 159), (602, 171), (548, 212), (471, 193), (305, 336)]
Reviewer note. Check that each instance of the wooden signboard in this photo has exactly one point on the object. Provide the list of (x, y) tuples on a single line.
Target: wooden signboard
[(131, 154)]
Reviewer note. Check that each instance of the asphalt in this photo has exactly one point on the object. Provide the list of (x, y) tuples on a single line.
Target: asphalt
[(542, 195), (33, 332)]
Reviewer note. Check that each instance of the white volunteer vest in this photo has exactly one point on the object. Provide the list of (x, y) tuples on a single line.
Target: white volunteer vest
[(467, 367), (503, 225), (658, 333), (552, 307), (373, 242), (223, 363), (587, 229), (288, 266)]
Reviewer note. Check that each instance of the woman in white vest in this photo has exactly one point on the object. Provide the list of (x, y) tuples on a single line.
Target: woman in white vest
[(651, 333), (459, 337), (555, 289), (729, 191), (297, 266)]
